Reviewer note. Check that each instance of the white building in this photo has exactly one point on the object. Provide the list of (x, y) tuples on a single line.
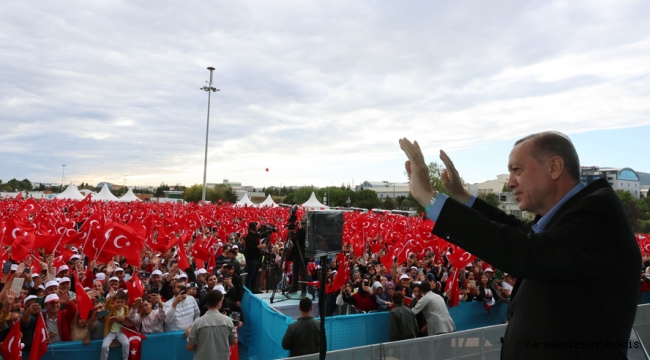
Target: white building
[(385, 189), (489, 187), (624, 179)]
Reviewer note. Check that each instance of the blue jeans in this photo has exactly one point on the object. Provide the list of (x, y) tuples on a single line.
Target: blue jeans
[(253, 269)]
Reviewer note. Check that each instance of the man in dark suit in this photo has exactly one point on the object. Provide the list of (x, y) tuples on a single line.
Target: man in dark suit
[(298, 257), (558, 258)]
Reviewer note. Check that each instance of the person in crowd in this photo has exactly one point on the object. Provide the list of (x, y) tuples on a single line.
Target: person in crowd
[(118, 313), (364, 299), (435, 311), (145, 318), (507, 284), (485, 291), (156, 281), (384, 303), (97, 321), (211, 282), (211, 335), (253, 255), (299, 265), (79, 330), (303, 336), (422, 322), (470, 286), (57, 321), (28, 321), (404, 285), (233, 284), (232, 256), (402, 324), (239, 256), (181, 310)]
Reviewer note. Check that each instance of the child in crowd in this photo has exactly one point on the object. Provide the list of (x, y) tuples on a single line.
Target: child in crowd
[(117, 313)]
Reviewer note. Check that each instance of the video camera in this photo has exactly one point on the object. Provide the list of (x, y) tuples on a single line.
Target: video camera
[(268, 228)]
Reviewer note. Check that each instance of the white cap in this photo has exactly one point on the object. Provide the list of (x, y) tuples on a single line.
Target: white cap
[(414, 267), (100, 276), (119, 269), (51, 297), (235, 247), (488, 270), (220, 288), (75, 256), (87, 289), (41, 287), (14, 267), (181, 276), (404, 277), (34, 275), (51, 283), (114, 278), (156, 272), (64, 279), (30, 297), (63, 267), (200, 271)]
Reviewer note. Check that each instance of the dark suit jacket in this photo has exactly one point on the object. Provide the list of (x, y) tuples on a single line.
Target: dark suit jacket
[(581, 274)]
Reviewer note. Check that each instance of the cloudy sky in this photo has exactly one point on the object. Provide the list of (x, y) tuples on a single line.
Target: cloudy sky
[(318, 92)]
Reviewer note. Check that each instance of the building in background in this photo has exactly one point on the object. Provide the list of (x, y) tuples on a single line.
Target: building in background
[(385, 189), (625, 179)]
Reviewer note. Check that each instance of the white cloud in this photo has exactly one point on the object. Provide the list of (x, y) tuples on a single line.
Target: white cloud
[(318, 92)]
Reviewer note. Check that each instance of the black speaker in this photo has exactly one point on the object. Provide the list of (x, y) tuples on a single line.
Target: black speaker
[(324, 233)]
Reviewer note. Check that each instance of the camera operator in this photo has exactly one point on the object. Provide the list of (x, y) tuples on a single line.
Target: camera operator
[(298, 257), (253, 255)]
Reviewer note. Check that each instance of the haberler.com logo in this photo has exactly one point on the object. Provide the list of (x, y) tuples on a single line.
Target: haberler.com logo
[(582, 344)]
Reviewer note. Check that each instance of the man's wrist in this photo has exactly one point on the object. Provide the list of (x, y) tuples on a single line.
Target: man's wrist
[(425, 200)]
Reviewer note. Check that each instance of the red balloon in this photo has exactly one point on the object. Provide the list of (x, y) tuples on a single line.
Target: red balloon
[(267, 169)]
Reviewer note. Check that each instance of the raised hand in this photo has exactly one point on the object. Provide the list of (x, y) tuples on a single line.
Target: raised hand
[(418, 172), (451, 180)]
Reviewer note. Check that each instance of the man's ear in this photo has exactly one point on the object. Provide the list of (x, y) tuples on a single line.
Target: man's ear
[(556, 167)]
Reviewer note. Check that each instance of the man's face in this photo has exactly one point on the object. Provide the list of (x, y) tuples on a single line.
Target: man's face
[(53, 307), (51, 290), (156, 280), (529, 180), (178, 287), (97, 286), (65, 286), (145, 308), (231, 255), (113, 285), (212, 281), (120, 274)]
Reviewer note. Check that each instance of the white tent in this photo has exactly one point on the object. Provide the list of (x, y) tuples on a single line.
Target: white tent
[(71, 192), (314, 204), (245, 201), (129, 196), (104, 195), (268, 202)]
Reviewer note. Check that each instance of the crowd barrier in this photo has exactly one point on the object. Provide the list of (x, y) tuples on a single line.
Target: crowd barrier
[(167, 346), (263, 338), (482, 343)]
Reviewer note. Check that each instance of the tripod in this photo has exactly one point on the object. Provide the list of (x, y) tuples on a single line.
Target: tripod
[(283, 279)]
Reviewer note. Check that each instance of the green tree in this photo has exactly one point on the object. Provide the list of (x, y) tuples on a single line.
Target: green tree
[(490, 198), (160, 189), (637, 211)]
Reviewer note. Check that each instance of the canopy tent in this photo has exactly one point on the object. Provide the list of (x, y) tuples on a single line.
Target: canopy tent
[(268, 202), (245, 201), (104, 195), (314, 204), (129, 196), (71, 192)]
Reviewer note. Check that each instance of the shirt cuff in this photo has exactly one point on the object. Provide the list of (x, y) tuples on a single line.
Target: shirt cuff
[(435, 210), (471, 201)]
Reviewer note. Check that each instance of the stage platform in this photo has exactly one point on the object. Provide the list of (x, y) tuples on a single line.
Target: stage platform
[(287, 306)]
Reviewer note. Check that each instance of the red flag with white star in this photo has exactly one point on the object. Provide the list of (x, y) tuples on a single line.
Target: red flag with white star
[(135, 343)]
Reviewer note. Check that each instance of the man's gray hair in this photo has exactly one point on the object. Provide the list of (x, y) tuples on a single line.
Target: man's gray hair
[(554, 143)]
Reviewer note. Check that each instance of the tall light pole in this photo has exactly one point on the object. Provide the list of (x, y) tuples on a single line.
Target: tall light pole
[(210, 90), (62, 174)]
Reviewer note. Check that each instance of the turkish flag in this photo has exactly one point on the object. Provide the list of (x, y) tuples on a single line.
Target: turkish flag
[(135, 288), (452, 287), (29, 207), (135, 343), (19, 196), (183, 263), (121, 240), (341, 276), (84, 303), (39, 342), (12, 348), (79, 205)]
